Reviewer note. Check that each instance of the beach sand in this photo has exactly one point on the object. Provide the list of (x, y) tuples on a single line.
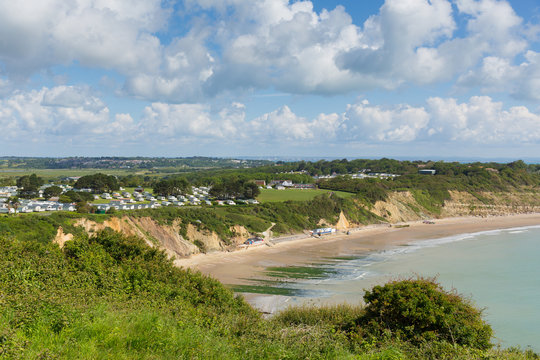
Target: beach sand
[(238, 267)]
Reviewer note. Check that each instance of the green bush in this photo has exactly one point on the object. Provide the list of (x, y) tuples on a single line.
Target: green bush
[(422, 311)]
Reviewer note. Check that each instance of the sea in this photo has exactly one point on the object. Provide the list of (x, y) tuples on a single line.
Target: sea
[(498, 270)]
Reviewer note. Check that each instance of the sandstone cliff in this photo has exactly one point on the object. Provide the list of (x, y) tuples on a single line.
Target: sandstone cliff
[(400, 206)]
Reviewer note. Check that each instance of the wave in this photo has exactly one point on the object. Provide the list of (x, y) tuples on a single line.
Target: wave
[(357, 269)]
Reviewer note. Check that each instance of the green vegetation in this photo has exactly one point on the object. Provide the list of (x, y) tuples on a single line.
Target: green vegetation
[(29, 185), (431, 191), (272, 195), (172, 186), (76, 197), (99, 183), (264, 289), (233, 187), (289, 216), (115, 162), (52, 191), (298, 272), (421, 311), (112, 297)]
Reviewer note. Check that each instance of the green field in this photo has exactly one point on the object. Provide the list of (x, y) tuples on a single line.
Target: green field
[(272, 195), (57, 173)]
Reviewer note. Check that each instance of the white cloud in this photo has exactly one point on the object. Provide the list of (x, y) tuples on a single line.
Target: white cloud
[(499, 75), (418, 46), (194, 122), (112, 34), (258, 44), (66, 113), (62, 112), (375, 124), (481, 120), (443, 121), (284, 125), (495, 22)]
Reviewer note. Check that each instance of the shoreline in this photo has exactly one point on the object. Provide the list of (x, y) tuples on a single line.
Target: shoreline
[(238, 267)]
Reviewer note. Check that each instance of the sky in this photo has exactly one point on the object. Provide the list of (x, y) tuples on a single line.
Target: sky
[(228, 78)]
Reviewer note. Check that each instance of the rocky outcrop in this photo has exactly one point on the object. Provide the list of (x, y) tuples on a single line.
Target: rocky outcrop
[(62, 238), (491, 204), (343, 224), (166, 237), (241, 234), (398, 207), (209, 241), (402, 206)]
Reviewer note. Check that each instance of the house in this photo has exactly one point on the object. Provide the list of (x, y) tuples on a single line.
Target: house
[(427, 171), (304, 186), (261, 183), (230, 202)]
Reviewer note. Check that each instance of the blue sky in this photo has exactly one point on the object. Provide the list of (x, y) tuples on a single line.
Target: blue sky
[(402, 78)]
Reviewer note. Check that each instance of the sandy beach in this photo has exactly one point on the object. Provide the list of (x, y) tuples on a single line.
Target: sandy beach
[(239, 266)]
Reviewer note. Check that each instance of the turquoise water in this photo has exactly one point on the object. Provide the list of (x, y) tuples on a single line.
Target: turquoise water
[(499, 270)]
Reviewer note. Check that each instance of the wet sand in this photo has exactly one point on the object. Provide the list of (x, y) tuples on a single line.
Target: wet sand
[(239, 266)]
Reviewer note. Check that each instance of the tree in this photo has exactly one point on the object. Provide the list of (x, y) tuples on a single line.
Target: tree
[(29, 185), (52, 191), (98, 183), (174, 186), (233, 188), (76, 197), (251, 190), (13, 203)]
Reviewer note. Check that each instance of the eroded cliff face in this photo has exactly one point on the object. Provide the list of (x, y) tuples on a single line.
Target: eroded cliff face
[(166, 237), (494, 204), (61, 238), (399, 207), (402, 206), (241, 234)]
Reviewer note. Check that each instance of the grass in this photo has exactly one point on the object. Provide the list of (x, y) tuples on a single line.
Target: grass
[(273, 195), (113, 297)]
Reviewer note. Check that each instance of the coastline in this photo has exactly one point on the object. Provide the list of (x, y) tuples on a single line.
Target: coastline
[(239, 267)]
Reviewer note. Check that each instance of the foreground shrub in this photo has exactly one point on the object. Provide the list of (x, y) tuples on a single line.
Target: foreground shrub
[(421, 311)]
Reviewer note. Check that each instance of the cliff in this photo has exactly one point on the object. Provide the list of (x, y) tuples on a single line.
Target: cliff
[(184, 239)]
